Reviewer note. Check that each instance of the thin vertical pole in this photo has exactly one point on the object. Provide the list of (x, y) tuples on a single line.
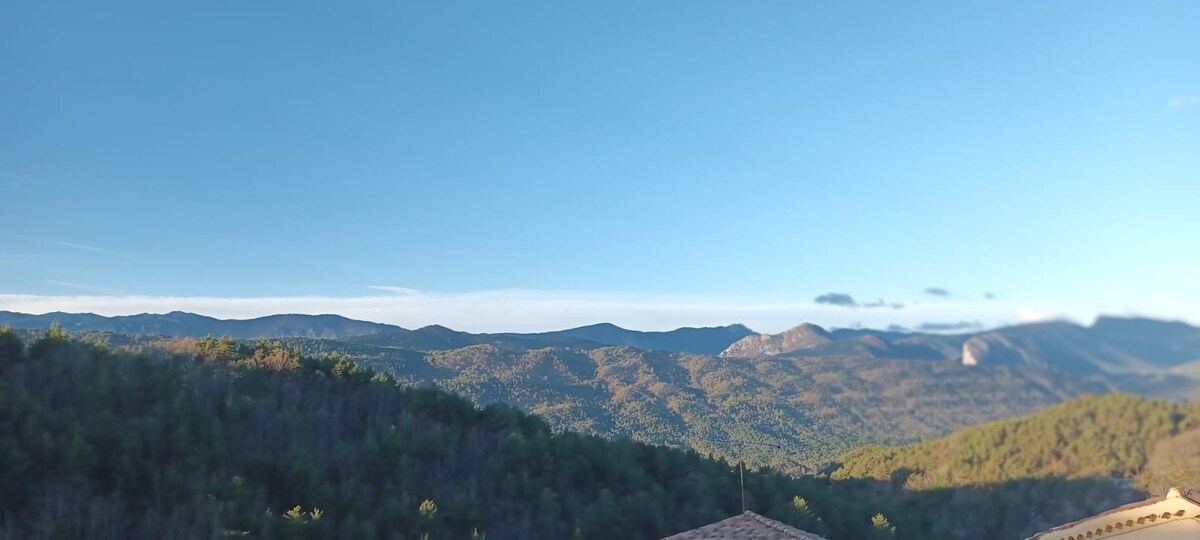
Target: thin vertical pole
[(742, 478)]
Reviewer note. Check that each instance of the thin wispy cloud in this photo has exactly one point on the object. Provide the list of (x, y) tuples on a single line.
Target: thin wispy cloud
[(83, 287), (535, 310), (395, 290), (1183, 101), (62, 243)]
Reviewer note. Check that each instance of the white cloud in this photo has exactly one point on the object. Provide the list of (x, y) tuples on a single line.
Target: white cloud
[(84, 287), (396, 290), (536, 310), (1183, 101)]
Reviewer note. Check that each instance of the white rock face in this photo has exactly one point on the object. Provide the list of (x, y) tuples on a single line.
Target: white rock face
[(973, 351), (968, 356), (801, 337)]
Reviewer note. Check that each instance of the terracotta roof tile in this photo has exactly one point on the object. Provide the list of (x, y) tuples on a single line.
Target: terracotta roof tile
[(745, 526)]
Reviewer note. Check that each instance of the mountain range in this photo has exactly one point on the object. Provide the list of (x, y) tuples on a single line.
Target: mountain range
[(427, 338), (811, 392), (182, 324), (1112, 346)]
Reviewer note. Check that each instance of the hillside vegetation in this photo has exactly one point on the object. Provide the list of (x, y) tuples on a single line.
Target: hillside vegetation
[(224, 440), (799, 411), (1112, 435), (1084, 453), (813, 409), (215, 438)]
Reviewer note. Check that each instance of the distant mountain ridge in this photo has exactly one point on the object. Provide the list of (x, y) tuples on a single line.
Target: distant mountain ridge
[(1110, 346), (183, 324), (428, 338), (708, 340)]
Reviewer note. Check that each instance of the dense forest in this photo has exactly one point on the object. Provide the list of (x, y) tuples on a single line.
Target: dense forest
[(802, 410), (799, 411), (217, 438), (220, 439), (1095, 452), (1113, 435)]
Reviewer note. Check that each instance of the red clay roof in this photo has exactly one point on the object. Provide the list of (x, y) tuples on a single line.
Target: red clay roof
[(745, 526)]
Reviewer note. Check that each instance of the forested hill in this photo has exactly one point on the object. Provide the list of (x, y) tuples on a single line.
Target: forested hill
[(1114, 435), (1098, 445), (225, 440), (217, 439), (805, 410)]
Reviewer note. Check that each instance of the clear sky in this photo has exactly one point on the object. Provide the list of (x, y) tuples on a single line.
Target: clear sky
[(521, 165)]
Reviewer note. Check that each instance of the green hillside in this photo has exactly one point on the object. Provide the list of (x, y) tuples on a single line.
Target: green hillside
[(224, 440), (218, 438), (812, 408), (801, 411), (1011, 478), (1095, 436)]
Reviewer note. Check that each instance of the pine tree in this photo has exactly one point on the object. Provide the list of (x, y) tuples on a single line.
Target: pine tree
[(882, 528), (10, 347)]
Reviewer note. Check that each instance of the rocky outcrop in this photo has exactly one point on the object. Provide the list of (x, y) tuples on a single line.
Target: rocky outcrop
[(991, 350), (805, 336)]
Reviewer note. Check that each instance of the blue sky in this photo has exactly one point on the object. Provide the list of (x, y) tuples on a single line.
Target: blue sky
[(660, 165)]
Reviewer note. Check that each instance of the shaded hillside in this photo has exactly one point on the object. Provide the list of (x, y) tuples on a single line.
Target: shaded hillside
[(815, 408), (237, 441), (219, 438), (181, 324), (1011, 478), (1094, 436)]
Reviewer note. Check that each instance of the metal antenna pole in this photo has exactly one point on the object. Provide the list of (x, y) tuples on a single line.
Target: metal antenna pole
[(742, 477), (742, 463)]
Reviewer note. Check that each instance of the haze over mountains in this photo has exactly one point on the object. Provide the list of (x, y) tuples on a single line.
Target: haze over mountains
[(182, 324), (433, 337), (1110, 346)]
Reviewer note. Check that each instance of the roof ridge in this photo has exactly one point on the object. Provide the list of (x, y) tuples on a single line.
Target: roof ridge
[(766, 521)]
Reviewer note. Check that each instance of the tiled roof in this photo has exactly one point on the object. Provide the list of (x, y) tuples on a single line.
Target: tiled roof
[(745, 526), (1123, 519)]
